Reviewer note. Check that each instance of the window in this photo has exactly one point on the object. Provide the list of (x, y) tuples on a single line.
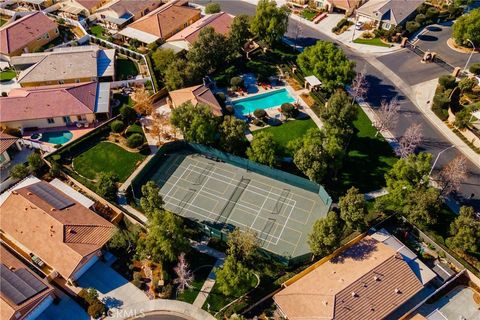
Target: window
[(81, 118), (386, 26), (66, 120), (61, 82), (50, 120), (46, 36), (77, 80)]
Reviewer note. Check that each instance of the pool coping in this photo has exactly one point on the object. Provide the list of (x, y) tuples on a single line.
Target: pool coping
[(287, 88)]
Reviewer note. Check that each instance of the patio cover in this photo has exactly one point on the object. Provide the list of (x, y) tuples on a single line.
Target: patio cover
[(118, 21), (72, 193), (139, 35), (313, 81), (71, 9), (103, 98), (106, 63), (37, 2), (176, 46)]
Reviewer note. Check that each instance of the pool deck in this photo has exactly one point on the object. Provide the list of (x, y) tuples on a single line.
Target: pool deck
[(76, 132)]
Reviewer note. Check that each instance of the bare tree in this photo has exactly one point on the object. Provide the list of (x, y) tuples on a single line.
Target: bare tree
[(143, 102), (359, 86), (387, 115), (410, 141), (452, 175), (149, 274), (185, 275)]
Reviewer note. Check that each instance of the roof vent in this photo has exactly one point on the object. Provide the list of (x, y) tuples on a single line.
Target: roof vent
[(397, 290), (354, 294), (376, 278), (325, 303), (14, 192), (29, 193), (52, 209)]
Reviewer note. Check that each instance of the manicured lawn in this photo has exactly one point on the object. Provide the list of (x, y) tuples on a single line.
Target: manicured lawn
[(125, 68), (308, 14), (287, 132), (107, 157), (7, 75), (200, 276), (2, 22), (98, 31), (372, 42), (368, 158)]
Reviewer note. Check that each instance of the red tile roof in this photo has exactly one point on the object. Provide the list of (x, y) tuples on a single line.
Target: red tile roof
[(6, 141), (220, 22), (48, 102), (62, 238), (196, 94), (19, 34)]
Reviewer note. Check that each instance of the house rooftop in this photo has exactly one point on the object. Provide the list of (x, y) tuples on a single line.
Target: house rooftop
[(55, 227), (123, 6), (6, 141), (21, 289), (368, 280), (196, 94), (16, 35), (390, 11), (89, 4), (48, 102)]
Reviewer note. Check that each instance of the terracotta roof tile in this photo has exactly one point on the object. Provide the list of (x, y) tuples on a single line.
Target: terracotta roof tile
[(31, 221), (48, 102), (196, 94), (6, 141), (18, 34)]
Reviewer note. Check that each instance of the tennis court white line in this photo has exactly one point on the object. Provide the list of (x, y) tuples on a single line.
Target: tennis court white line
[(261, 208), (286, 221)]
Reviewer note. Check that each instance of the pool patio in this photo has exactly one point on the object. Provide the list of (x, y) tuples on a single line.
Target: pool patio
[(76, 133)]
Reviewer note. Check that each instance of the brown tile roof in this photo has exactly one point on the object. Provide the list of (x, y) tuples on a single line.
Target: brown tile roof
[(8, 309), (61, 238), (48, 102), (165, 20), (6, 141), (123, 6), (89, 4), (326, 292), (345, 4), (221, 22), (19, 34), (196, 94)]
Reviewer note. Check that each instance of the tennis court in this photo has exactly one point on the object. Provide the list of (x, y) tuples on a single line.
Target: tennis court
[(223, 195)]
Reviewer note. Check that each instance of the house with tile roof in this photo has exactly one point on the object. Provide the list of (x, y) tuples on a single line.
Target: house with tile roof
[(65, 65), (23, 294), (56, 231), (8, 144), (55, 106), (375, 278), (116, 14), (344, 6), (386, 14), (195, 95), (77, 9), (182, 40), (162, 23), (26, 34)]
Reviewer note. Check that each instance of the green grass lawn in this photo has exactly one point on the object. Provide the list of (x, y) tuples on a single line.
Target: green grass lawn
[(98, 31), (125, 68), (7, 75), (107, 157), (2, 22), (372, 42), (287, 132), (368, 158), (308, 14)]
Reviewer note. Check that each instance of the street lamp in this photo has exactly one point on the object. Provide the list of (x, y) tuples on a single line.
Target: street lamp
[(471, 54), (436, 159)]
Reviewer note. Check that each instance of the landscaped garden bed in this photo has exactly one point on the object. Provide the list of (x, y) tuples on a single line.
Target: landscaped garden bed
[(125, 68), (374, 41), (7, 75)]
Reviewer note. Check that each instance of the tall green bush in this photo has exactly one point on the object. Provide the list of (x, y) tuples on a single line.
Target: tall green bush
[(135, 140), (447, 81), (475, 68), (117, 126)]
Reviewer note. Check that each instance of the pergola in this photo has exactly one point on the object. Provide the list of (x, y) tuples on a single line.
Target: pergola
[(312, 83)]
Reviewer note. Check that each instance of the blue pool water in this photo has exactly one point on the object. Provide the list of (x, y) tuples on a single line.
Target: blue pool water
[(262, 101), (57, 137)]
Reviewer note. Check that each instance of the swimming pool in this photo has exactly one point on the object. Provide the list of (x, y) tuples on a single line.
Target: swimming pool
[(262, 101), (56, 137)]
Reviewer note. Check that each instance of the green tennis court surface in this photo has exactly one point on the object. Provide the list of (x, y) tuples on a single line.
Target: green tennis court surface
[(226, 196)]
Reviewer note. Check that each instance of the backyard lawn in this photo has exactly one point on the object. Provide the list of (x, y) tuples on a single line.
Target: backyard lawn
[(125, 68), (98, 31), (7, 75), (287, 132), (372, 42), (107, 157), (308, 14), (368, 158), (2, 22)]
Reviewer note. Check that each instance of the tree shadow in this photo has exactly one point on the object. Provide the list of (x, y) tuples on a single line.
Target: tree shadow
[(379, 91), (111, 302), (434, 28), (358, 252), (428, 38)]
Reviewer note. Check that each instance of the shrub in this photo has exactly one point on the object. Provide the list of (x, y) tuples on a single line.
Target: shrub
[(432, 13), (97, 309), (55, 169), (288, 110), (230, 110), (117, 126), (412, 26), (135, 140), (340, 25), (420, 19), (467, 84), (128, 114), (422, 9), (368, 35), (258, 122), (13, 132), (441, 101), (212, 8), (441, 113), (447, 81), (475, 68), (137, 283), (260, 114), (19, 171), (4, 94), (236, 82), (35, 162)]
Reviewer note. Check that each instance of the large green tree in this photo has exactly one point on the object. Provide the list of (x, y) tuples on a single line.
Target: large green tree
[(233, 278), (209, 52), (328, 63), (196, 123), (326, 234), (270, 21), (468, 27), (465, 231), (263, 149), (179, 74), (151, 199), (162, 58), (239, 32), (165, 238), (242, 245), (232, 135), (353, 209), (339, 113), (107, 185), (422, 206)]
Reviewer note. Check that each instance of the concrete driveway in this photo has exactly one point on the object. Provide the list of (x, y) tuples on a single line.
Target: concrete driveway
[(114, 290)]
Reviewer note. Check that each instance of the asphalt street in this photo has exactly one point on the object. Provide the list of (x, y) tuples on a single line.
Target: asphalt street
[(408, 66)]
